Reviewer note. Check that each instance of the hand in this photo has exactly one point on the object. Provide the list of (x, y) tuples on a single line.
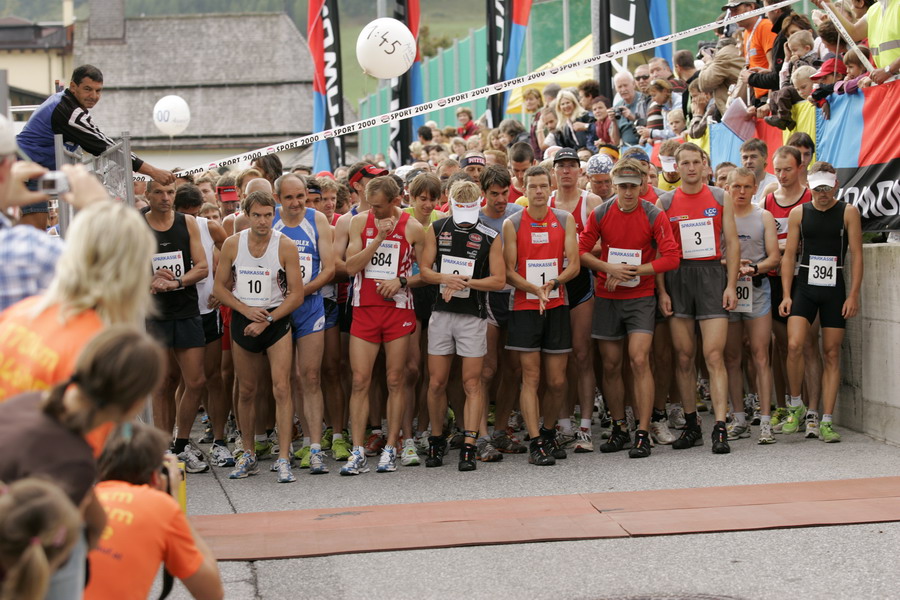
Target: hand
[(665, 304), (729, 298), (173, 474), (611, 283), (541, 293), (763, 111), (454, 281), (579, 126), (385, 227), (878, 76), (257, 315), (626, 112), (388, 288), (18, 194), (643, 131), (611, 113), (751, 112), (161, 281), (162, 176), (213, 302), (851, 306), (746, 271), (784, 309), (255, 329), (84, 187), (745, 75), (621, 272)]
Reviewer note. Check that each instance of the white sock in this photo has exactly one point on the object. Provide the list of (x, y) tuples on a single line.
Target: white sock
[(795, 401), (337, 436), (765, 418), (826, 418), (812, 414), (585, 423), (360, 450), (565, 425), (378, 431), (262, 437), (740, 418), (315, 447)]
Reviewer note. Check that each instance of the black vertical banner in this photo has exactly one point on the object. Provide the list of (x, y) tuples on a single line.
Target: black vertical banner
[(626, 23), (334, 93), (400, 131), (498, 13), (604, 39)]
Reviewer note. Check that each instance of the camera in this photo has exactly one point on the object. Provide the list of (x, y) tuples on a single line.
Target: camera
[(619, 111), (53, 183)]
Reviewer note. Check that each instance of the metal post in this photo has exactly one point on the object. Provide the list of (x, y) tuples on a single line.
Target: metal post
[(65, 210), (565, 20), (457, 83), (4, 95), (129, 174), (672, 21)]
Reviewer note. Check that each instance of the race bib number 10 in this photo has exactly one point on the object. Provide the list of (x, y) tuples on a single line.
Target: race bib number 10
[(253, 286), (539, 272), (697, 238), (385, 261)]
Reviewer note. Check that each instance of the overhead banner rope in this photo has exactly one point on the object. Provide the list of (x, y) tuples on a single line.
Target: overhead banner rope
[(477, 93)]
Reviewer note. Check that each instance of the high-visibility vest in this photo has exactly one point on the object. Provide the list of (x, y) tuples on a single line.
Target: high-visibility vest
[(884, 32)]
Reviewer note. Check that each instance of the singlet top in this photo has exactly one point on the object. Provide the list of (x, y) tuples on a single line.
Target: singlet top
[(465, 251), (822, 233), (580, 213), (696, 221), (541, 249), (435, 215), (336, 291), (173, 252), (306, 237), (782, 213), (205, 285), (752, 235), (393, 259), (259, 282)]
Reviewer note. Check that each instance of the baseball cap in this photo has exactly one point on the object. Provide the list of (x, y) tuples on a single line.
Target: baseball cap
[(313, 187), (368, 171), (7, 137), (37, 207), (599, 164), (227, 193), (639, 155), (471, 160), (465, 212), (736, 3), (628, 175), (565, 154), (327, 174), (820, 179), (829, 67)]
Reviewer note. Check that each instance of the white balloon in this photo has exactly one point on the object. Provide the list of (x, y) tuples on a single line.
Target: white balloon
[(385, 48), (171, 115)]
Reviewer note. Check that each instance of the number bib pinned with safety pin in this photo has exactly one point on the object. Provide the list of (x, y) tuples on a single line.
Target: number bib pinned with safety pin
[(744, 295), (384, 262), (539, 272), (457, 266), (697, 238)]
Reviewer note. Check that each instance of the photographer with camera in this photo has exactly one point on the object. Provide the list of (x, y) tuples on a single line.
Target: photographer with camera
[(145, 524), (630, 111)]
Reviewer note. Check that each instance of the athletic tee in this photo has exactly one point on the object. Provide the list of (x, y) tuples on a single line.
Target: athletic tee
[(752, 235), (173, 252), (696, 221), (205, 285), (393, 259), (145, 527), (465, 251), (259, 282), (306, 237), (580, 212), (541, 247), (782, 213)]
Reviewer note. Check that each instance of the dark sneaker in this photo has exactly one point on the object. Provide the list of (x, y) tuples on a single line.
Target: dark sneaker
[(618, 440), (507, 443), (641, 448), (553, 443), (468, 454), (437, 447), (539, 453), (690, 437), (720, 440)]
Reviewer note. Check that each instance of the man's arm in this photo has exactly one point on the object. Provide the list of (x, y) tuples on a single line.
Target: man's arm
[(224, 282), (789, 258), (773, 252), (497, 278), (857, 31), (572, 255), (198, 255), (732, 253), (510, 254), (326, 256), (341, 241), (217, 233), (290, 260), (854, 239)]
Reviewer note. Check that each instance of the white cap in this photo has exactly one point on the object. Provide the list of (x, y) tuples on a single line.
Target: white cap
[(668, 164), (7, 137), (821, 178), (465, 212)]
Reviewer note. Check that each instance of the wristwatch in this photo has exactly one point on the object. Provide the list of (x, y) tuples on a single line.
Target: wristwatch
[(178, 281), (403, 281), (269, 318), (887, 69), (555, 283), (755, 268)]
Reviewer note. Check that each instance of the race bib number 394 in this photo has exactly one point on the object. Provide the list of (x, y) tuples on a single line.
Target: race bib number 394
[(697, 238), (383, 264), (822, 270)]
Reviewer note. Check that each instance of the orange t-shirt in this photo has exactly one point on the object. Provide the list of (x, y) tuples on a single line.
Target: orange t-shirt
[(144, 527), (758, 42)]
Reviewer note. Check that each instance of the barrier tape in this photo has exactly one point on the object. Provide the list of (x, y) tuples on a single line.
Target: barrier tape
[(476, 94), (846, 35)]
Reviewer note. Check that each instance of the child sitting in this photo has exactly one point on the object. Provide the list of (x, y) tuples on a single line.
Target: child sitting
[(799, 50)]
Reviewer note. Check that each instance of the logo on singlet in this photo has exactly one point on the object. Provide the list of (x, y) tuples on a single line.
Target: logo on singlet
[(679, 218), (474, 237), (711, 212), (369, 232)]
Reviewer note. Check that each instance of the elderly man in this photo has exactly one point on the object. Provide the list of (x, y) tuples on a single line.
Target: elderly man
[(630, 111)]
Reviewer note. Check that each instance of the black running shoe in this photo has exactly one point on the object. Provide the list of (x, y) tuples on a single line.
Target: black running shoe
[(437, 447), (551, 440), (641, 448), (618, 440), (468, 454), (690, 437), (720, 440), (539, 453)]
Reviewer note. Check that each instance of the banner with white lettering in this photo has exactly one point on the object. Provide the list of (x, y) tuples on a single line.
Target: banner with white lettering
[(497, 33), (323, 33), (624, 23)]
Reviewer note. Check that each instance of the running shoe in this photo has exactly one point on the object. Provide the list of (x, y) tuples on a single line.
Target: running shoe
[(737, 432), (778, 419), (827, 433), (356, 464), (456, 440), (263, 449), (387, 462), (408, 456), (327, 438), (564, 439), (283, 466), (220, 456), (703, 389), (340, 448), (193, 460), (516, 421), (303, 456), (641, 447), (765, 434), (660, 432), (629, 419), (551, 437), (812, 426), (486, 451), (795, 418), (751, 408), (720, 439), (317, 464), (437, 447), (539, 453), (467, 456), (618, 440), (422, 441), (246, 465), (506, 442), (207, 435), (231, 431), (583, 441), (238, 448), (676, 416), (690, 437), (374, 444)]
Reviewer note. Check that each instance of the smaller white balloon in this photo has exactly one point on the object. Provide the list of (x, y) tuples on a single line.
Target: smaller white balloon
[(171, 115), (385, 48)]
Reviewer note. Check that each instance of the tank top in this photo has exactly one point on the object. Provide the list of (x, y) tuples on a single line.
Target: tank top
[(259, 281), (205, 285), (306, 237), (392, 259), (173, 252), (782, 213), (541, 247), (824, 242), (580, 212), (752, 234), (336, 291), (465, 251), (696, 221)]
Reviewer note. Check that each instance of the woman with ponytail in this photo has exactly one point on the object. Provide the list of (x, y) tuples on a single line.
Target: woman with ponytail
[(39, 525)]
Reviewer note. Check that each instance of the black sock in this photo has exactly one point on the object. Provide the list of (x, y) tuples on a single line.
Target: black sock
[(269, 432), (181, 444), (220, 443), (658, 415), (720, 424), (691, 419), (548, 433)]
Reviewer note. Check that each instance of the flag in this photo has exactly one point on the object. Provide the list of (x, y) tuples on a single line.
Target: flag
[(406, 90), (323, 34), (517, 25)]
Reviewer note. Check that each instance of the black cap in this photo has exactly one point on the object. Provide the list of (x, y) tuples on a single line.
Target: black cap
[(565, 154)]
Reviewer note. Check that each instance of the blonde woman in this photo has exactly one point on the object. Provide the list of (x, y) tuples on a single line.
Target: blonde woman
[(573, 121)]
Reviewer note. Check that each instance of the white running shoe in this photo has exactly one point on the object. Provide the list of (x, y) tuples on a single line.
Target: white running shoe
[(660, 432), (409, 457)]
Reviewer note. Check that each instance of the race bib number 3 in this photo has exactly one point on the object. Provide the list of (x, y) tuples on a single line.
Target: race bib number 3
[(173, 261), (385, 261), (822, 270), (539, 272), (306, 267), (627, 257), (253, 286), (697, 238), (744, 295), (457, 266)]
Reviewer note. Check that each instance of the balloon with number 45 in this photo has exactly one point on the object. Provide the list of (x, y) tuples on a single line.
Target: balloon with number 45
[(385, 48)]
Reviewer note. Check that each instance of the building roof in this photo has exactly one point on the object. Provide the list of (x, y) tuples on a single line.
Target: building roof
[(21, 34), (246, 77)]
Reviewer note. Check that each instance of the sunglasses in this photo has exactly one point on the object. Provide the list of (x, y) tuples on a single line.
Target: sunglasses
[(642, 77)]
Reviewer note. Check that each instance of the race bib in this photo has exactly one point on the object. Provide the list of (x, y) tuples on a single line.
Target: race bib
[(457, 266), (540, 237), (306, 267), (173, 261), (744, 295), (626, 257), (385, 261), (822, 270), (253, 286), (697, 238), (539, 272), (781, 226)]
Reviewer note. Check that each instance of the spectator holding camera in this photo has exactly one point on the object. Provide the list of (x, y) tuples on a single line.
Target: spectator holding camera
[(629, 110)]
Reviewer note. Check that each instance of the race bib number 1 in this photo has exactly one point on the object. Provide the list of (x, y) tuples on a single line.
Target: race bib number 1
[(697, 238), (822, 270), (628, 257), (744, 295), (457, 266), (253, 286), (539, 272), (384, 262)]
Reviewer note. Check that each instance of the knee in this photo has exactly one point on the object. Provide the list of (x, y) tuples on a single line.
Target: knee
[(714, 358), (395, 379), (472, 387), (556, 381), (640, 363), (795, 348), (760, 357), (412, 373), (311, 378), (281, 390), (582, 356), (684, 361), (832, 356), (437, 386), (197, 382), (361, 381)]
